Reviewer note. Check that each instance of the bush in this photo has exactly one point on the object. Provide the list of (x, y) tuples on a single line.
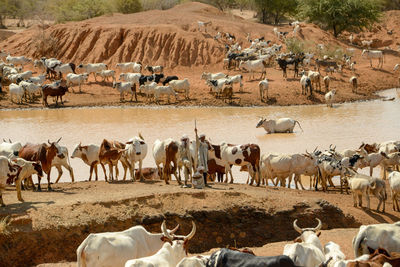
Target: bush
[(275, 10), (128, 6), (75, 10), (341, 15)]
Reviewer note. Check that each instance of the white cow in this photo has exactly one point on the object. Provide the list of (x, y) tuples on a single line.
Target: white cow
[(309, 252), (93, 68), (129, 66), (181, 86), (65, 69), (31, 89), (237, 79), (168, 256), (136, 151), (330, 97), (148, 90), (370, 54), (76, 79), (18, 60), (113, 249), (263, 86), (16, 92), (105, 74), (90, 155), (164, 90), (39, 80), (258, 65), (385, 235), (195, 261), (394, 182), (283, 125), (10, 148), (125, 88), (213, 76), (333, 253)]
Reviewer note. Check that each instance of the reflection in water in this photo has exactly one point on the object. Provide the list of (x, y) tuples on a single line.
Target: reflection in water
[(345, 125)]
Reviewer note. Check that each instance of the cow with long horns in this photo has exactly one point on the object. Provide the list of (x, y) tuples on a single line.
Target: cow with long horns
[(170, 254), (309, 251)]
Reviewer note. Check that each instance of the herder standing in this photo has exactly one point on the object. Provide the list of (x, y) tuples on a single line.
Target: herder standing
[(202, 147)]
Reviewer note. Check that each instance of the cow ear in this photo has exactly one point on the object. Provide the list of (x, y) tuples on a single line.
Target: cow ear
[(297, 240), (128, 143)]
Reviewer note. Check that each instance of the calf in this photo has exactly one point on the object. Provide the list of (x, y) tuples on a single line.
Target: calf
[(90, 156), (108, 154), (166, 152), (27, 169), (48, 90), (76, 79), (105, 74), (125, 87)]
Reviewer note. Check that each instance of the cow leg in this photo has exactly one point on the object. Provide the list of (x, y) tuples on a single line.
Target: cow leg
[(39, 189), (165, 173), (60, 172), (104, 171), (48, 182), (110, 168), (18, 183), (71, 172), (140, 170), (1, 200), (116, 171)]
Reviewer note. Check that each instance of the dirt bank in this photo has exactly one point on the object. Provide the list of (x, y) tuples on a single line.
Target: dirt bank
[(171, 38), (57, 222)]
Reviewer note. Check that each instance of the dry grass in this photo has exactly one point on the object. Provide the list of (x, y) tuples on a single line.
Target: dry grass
[(5, 225)]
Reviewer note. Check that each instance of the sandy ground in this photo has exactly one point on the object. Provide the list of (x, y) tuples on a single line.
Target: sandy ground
[(73, 204), (172, 39)]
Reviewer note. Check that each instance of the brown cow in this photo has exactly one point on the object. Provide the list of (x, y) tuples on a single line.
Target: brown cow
[(377, 258), (124, 160), (171, 151), (108, 154), (45, 154), (369, 148), (50, 91)]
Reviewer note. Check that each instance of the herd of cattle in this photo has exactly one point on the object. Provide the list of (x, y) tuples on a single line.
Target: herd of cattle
[(374, 245), (19, 162), (257, 57)]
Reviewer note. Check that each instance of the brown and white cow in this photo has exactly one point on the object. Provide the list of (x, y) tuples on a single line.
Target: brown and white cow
[(8, 172), (90, 155), (166, 152), (238, 155), (109, 154), (43, 153)]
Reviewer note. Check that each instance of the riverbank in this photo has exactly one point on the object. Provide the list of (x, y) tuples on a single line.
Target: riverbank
[(226, 214)]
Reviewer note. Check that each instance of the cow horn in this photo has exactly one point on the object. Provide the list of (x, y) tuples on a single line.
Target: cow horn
[(319, 226), (298, 229), (59, 139), (315, 149), (334, 148), (165, 232), (48, 141), (330, 146), (175, 229), (308, 153), (141, 137), (191, 234), (9, 140), (4, 140)]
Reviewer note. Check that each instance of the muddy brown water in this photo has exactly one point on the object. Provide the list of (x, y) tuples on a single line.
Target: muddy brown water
[(346, 125)]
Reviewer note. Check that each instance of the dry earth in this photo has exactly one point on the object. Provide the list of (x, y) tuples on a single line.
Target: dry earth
[(171, 38), (226, 214)]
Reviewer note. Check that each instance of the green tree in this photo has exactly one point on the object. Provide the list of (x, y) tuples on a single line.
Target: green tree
[(275, 10), (128, 6), (341, 15)]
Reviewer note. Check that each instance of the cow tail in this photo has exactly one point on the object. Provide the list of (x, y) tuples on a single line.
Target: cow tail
[(357, 242), (299, 125)]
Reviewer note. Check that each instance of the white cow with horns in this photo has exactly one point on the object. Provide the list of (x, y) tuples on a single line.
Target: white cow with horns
[(309, 252), (114, 249), (169, 255), (283, 125)]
